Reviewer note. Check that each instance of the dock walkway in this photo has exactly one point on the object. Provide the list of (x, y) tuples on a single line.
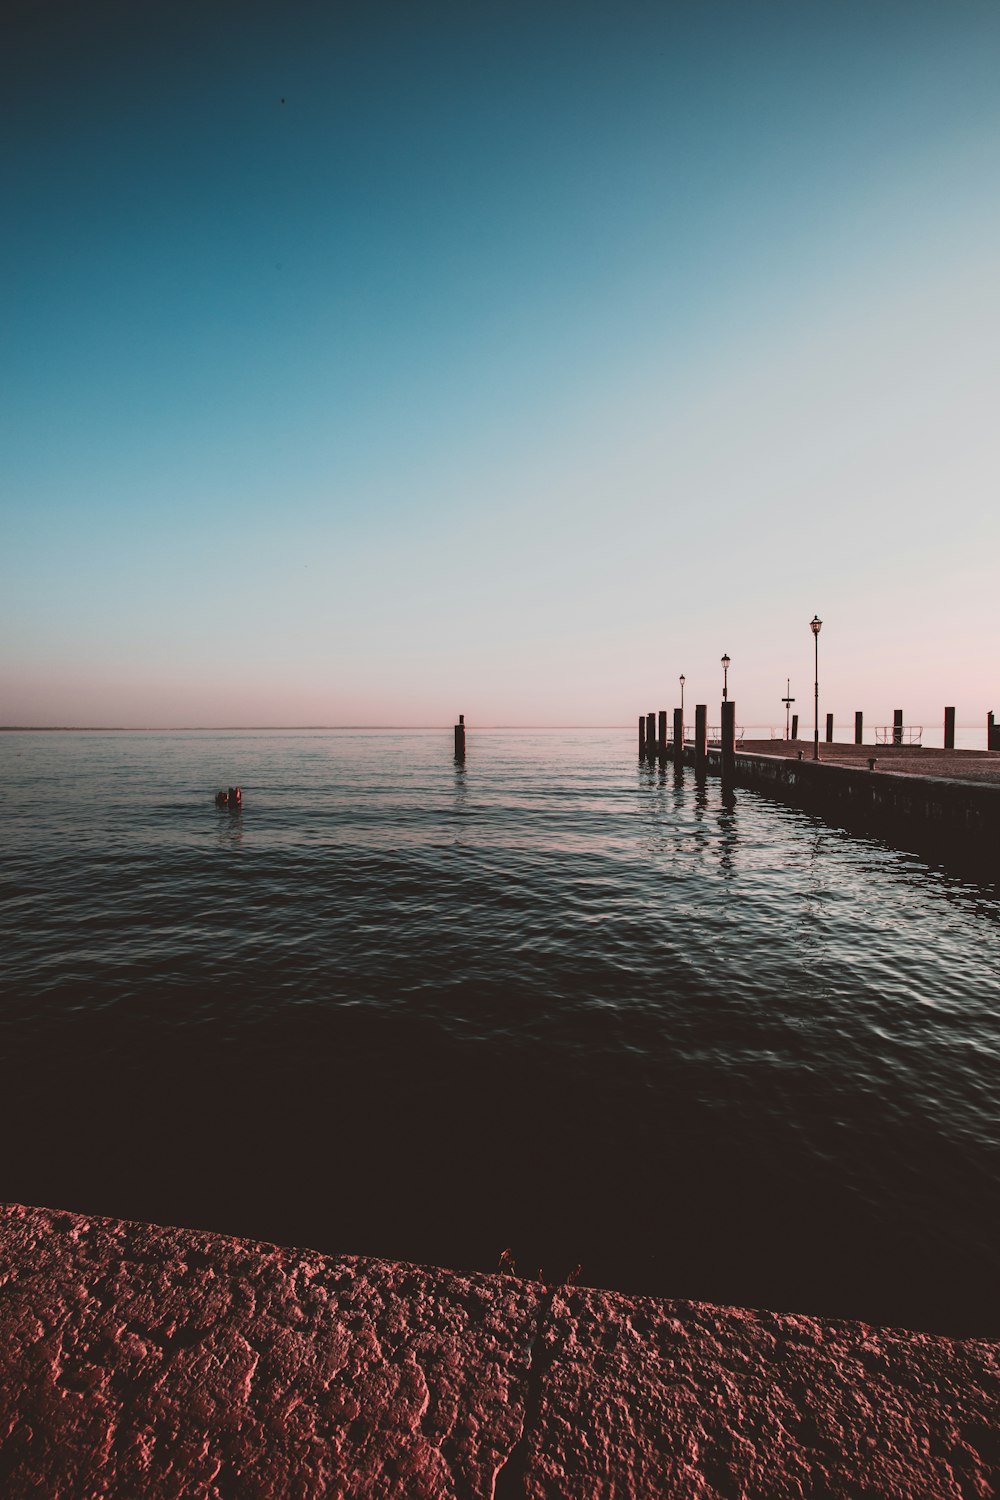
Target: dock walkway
[(901, 760)]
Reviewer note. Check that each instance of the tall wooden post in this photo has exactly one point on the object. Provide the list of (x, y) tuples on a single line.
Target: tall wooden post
[(650, 736), (795, 726), (678, 736), (949, 729), (992, 733), (662, 742), (859, 728), (829, 729), (700, 735), (642, 736), (897, 726), (460, 738), (728, 737)]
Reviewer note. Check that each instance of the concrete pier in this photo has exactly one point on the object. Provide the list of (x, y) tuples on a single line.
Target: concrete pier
[(939, 802), (142, 1361)]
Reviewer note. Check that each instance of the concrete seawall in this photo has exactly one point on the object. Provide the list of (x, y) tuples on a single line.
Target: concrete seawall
[(141, 1361), (955, 819)]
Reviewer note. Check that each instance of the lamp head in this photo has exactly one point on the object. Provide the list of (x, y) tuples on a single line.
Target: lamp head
[(725, 663), (815, 624)]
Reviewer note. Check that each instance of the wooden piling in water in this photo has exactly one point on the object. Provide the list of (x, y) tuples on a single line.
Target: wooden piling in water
[(642, 736), (678, 737), (728, 737), (859, 728), (949, 729), (897, 726), (662, 740), (460, 738), (701, 736), (651, 736), (829, 729)]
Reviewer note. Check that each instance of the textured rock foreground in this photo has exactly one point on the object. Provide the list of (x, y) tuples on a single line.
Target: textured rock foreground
[(140, 1361)]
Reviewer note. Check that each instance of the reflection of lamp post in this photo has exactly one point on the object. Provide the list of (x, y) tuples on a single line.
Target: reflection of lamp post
[(725, 678), (815, 625), (682, 707), (788, 700)]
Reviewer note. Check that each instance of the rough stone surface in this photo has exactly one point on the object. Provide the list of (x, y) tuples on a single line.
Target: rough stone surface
[(141, 1361)]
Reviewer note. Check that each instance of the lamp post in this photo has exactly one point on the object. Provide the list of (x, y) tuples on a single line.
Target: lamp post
[(788, 700), (725, 678), (682, 705), (816, 625)]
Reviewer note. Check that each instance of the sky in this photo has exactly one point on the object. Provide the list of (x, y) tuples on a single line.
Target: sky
[(372, 363)]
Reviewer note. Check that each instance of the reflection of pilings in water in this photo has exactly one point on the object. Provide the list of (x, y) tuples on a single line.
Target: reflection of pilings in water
[(461, 789), (460, 738), (679, 799), (958, 821), (728, 828)]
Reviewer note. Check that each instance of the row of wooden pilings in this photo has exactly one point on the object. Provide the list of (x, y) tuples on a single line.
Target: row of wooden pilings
[(655, 745)]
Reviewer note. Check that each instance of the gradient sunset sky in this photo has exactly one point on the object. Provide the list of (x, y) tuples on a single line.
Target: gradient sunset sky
[(368, 363)]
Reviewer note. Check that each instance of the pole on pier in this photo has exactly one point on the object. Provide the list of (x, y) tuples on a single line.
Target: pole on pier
[(700, 735), (460, 738), (897, 726), (662, 743), (678, 736), (859, 728), (949, 729), (728, 737), (650, 736), (642, 736), (829, 729), (795, 726)]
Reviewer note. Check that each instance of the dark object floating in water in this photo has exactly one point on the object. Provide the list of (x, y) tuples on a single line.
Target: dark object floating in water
[(232, 798)]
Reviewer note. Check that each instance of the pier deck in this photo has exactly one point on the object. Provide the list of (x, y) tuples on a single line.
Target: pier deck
[(903, 760)]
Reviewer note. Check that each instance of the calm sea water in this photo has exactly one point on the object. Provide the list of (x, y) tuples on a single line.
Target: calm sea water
[(700, 1044)]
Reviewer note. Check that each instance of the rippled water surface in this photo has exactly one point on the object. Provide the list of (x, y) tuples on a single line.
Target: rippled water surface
[(701, 1044)]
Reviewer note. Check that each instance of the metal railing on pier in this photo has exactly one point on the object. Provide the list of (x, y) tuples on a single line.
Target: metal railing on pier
[(899, 734)]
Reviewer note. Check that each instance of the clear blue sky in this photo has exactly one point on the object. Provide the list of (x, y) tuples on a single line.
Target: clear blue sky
[(371, 363)]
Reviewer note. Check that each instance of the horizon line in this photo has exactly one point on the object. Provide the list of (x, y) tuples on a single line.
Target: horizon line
[(383, 728)]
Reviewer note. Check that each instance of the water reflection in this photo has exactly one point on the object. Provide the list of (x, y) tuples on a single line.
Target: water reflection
[(728, 830), (229, 826), (460, 799)]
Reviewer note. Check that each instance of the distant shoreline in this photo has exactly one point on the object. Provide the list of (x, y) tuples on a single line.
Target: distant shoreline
[(312, 728), (283, 728)]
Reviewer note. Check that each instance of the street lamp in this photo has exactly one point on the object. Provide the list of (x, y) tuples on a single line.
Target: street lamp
[(725, 678), (682, 706), (788, 700), (816, 625)]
